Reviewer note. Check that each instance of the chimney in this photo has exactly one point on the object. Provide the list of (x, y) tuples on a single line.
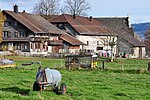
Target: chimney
[(90, 18), (74, 16), (15, 8), (24, 11)]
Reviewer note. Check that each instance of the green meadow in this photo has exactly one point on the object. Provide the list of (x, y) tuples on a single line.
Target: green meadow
[(124, 79)]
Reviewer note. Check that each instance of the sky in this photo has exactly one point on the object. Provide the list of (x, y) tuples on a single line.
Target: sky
[(137, 10)]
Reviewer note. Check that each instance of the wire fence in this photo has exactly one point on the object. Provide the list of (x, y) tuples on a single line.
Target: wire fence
[(124, 66)]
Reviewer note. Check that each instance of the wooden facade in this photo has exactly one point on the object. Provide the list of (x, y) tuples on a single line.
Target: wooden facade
[(32, 33)]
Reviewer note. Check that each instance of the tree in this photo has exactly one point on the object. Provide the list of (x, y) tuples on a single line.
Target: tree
[(76, 7), (118, 28), (147, 41), (2, 20), (46, 7), (109, 41)]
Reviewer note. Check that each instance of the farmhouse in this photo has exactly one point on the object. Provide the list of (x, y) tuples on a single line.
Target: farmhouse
[(32, 33), (69, 34), (128, 41), (98, 33), (88, 30)]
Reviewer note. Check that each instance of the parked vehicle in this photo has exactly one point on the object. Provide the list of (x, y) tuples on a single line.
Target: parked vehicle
[(7, 63)]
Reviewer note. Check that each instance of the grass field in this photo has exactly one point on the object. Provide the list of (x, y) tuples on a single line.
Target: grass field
[(122, 80)]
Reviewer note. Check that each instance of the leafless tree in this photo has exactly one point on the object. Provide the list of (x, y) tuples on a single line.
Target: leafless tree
[(2, 20), (76, 7), (46, 7), (118, 29), (109, 41), (147, 41)]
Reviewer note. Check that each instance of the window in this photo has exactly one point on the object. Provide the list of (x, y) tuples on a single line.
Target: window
[(97, 42), (55, 38), (32, 45), (61, 26), (9, 34), (99, 48), (87, 42), (26, 46), (19, 34), (38, 45), (19, 46), (16, 34), (22, 34), (5, 34)]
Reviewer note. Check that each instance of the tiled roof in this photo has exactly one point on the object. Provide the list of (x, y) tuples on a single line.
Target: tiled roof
[(121, 24), (135, 42), (83, 25), (35, 23), (70, 39), (38, 24)]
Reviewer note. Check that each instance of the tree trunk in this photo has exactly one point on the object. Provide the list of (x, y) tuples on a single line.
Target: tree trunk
[(112, 60)]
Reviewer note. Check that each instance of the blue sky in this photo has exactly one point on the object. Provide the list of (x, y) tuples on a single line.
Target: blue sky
[(137, 10)]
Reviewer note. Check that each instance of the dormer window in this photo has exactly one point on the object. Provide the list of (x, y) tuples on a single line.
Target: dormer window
[(61, 26)]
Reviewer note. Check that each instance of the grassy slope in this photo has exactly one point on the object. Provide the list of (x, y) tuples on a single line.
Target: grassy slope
[(16, 83)]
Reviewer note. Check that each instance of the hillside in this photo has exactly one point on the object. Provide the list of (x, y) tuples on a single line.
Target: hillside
[(140, 28)]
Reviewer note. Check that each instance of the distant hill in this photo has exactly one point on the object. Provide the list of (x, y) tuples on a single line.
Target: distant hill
[(140, 28)]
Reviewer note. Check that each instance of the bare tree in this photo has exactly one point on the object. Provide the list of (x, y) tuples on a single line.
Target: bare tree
[(76, 7), (2, 20), (46, 7), (109, 41), (147, 41), (118, 29)]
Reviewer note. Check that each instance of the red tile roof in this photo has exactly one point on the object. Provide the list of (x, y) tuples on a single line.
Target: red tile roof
[(83, 25), (70, 39)]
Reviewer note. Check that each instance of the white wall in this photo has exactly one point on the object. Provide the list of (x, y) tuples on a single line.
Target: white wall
[(93, 42), (136, 52), (143, 52), (50, 49)]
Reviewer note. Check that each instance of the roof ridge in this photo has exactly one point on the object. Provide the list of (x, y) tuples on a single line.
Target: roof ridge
[(75, 22), (65, 17), (7, 11), (36, 24)]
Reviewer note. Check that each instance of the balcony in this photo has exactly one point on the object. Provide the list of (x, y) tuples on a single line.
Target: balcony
[(15, 39), (38, 39), (55, 42)]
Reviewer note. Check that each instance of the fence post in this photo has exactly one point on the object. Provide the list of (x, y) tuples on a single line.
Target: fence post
[(148, 66), (103, 64), (122, 67)]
